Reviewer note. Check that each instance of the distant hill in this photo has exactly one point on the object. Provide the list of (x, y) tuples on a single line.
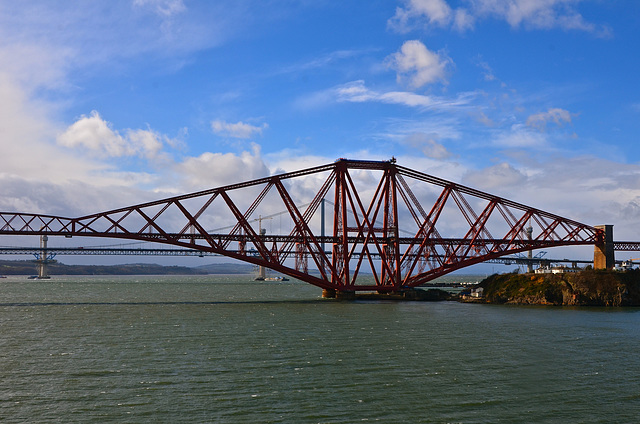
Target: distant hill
[(58, 268)]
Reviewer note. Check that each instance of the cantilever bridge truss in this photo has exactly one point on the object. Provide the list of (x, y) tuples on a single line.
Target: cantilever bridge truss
[(349, 226)]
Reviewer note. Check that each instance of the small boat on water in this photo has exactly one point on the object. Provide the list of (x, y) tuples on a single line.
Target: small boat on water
[(276, 279), (263, 277)]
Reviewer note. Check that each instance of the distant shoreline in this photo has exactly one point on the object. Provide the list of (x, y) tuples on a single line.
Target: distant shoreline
[(58, 268)]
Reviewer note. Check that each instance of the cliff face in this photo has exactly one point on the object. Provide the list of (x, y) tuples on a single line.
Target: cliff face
[(589, 287)]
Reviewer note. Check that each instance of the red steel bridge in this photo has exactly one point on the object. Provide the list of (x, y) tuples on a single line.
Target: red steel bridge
[(390, 228)]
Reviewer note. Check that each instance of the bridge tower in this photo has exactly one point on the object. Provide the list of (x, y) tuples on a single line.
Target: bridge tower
[(529, 231), (43, 260), (603, 252)]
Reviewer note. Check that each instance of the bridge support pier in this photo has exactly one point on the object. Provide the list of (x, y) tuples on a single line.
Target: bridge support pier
[(603, 253), (337, 294), (328, 293), (346, 295)]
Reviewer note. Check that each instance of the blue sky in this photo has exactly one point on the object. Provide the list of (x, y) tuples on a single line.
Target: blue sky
[(108, 103)]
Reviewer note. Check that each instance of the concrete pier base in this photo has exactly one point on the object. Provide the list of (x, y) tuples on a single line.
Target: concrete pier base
[(328, 293), (346, 295)]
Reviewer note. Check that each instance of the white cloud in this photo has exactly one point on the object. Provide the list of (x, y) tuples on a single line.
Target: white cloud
[(35, 66), (165, 8), (531, 14), (428, 145), (96, 135), (357, 92), (145, 142), (37, 176), (321, 61), (538, 14), (495, 177), (25, 129), (487, 71), (520, 137), (570, 187), (73, 198), (418, 65), (436, 12), (408, 99), (463, 20), (217, 169), (555, 115), (439, 128), (237, 130)]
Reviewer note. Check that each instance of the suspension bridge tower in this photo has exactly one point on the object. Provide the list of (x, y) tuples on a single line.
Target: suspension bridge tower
[(43, 258)]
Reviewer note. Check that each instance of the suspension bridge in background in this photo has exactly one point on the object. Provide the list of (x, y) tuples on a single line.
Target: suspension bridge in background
[(399, 227)]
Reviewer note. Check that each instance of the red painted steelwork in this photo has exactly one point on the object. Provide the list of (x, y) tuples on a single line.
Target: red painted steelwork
[(365, 243)]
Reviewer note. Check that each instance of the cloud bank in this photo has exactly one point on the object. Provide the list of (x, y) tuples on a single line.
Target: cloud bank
[(530, 14)]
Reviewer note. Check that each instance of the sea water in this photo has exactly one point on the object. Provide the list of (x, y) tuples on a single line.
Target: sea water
[(230, 350)]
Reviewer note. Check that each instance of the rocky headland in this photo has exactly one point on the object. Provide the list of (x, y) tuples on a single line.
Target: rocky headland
[(585, 288)]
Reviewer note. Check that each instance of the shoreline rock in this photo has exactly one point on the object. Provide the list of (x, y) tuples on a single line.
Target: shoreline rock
[(415, 294), (585, 288)]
